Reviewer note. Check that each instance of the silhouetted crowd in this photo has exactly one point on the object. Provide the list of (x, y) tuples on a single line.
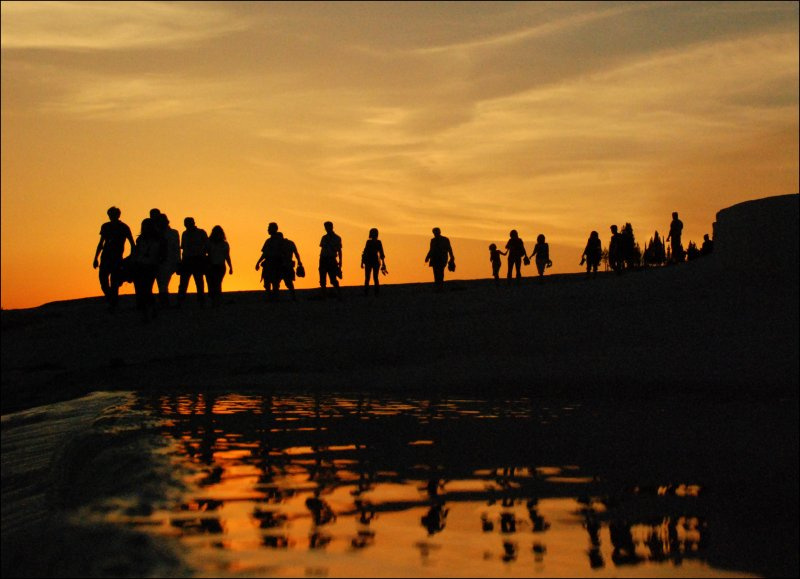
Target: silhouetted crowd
[(159, 252)]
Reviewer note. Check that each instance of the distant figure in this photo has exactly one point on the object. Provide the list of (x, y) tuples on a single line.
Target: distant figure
[(494, 258), (193, 261), (170, 264), (675, 231), (515, 248), (542, 254), (631, 256), (330, 260), (708, 246), (219, 253), (373, 259), (615, 256), (148, 255), (592, 254), (110, 249), (440, 255)]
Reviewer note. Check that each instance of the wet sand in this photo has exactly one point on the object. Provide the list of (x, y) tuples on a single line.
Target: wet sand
[(688, 329), (693, 332)]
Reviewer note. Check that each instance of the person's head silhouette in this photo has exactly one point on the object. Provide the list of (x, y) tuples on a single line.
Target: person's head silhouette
[(437, 232), (613, 229), (492, 246), (113, 213), (189, 223), (328, 226), (674, 214), (594, 235), (540, 238), (513, 234), (373, 233), (272, 228)]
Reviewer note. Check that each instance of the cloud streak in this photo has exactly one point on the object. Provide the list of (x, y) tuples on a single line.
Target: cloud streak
[(91, 26)]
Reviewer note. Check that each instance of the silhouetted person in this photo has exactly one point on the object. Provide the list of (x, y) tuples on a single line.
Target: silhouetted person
[(219, 253), (286, 272), (675, 232), (708, 246), (440, 255), (592, 253), (541, 253), (624, 552), (373, 260), (193, 260), (148, 254), (629, 254), (330, 260), (110, 249), (494, 258), (516, 251), (615, 251), (271, 259), (170, 264)]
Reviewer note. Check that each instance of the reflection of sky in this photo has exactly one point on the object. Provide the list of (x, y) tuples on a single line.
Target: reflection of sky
[(477, 117), (403, 509)]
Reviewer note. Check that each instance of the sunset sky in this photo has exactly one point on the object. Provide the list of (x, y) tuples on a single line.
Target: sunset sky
[(554, 118)]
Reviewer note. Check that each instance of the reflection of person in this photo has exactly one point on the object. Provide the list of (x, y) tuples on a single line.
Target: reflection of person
[(193, 260), (440, 255), (592, 253), (675, 232), (494, 258), (110, 248), (516, 251), (219, 253), (434, 519), (372, 260), (330, 260)]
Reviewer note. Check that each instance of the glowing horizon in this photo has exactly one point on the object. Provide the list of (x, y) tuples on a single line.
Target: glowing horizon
[(555, 118)]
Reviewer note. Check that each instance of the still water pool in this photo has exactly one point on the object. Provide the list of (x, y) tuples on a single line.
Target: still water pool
[(366, 485)]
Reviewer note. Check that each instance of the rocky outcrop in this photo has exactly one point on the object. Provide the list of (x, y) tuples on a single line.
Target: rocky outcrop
[(759, 236)]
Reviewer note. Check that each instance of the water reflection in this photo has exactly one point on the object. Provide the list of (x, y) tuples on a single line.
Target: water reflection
[(457, 484)]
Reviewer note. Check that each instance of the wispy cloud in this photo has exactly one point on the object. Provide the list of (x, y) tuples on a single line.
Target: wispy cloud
[(86, 26)]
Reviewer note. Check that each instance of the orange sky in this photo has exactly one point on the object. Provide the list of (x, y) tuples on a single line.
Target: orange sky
[(554, 118)]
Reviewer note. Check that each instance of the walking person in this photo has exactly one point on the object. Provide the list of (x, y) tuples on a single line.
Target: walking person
[(515, 248), (219, 253), (494, 258), (675, 232), (193, 260), (615, 257), (148, 255), (170, 264), (542, 254), (271, 261), (592, 254), (440, 255), (110, 249), (372, 260), (330, 260)]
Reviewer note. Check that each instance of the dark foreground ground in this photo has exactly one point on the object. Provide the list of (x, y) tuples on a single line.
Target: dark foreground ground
[(680, 330)]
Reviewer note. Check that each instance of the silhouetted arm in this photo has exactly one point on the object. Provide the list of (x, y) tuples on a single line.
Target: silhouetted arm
[(228, 259), (97, 251), (260, 261)]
